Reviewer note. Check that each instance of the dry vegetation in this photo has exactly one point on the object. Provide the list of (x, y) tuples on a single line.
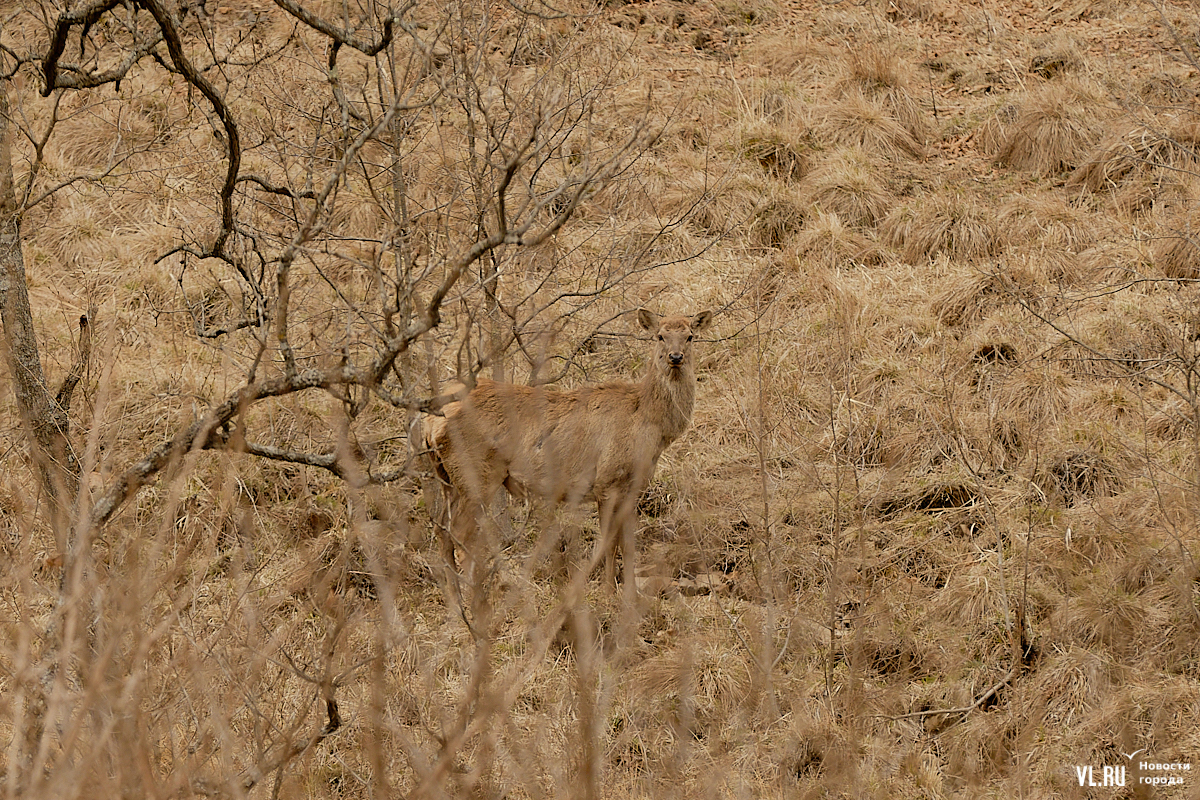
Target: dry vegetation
[(934, 530)]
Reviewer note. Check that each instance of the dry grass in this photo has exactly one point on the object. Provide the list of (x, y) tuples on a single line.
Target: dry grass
[(1051, 224), (1051, 131), (828, 241), (885, 77), (861, 121), (784, 156), (846, 184), (1178, 256), (1159, 151), (945, 225)]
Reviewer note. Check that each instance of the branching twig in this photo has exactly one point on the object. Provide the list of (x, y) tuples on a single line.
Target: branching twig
[(983, 698)]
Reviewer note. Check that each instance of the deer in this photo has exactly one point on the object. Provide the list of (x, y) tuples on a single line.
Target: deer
[(598, 442)]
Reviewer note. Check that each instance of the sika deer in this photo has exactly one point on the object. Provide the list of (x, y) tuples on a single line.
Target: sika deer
[(597, 442)]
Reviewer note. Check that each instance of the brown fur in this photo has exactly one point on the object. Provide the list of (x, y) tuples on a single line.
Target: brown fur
[(598, 443)]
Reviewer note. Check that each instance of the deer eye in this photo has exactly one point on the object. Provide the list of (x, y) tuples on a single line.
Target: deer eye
[(690, 337), (660, 337)]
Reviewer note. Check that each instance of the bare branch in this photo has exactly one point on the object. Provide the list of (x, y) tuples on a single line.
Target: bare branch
[(63, 398), (266, 185), (345, 37), (85, 15), (78, 78), (983, 698)]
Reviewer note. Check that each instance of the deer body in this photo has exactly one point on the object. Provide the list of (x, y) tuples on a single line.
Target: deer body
[(599, 443)]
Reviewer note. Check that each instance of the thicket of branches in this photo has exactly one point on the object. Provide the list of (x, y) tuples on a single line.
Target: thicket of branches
[(345, 203)]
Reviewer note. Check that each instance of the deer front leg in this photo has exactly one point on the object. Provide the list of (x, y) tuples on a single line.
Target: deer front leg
[(618, 515), (610, 537)]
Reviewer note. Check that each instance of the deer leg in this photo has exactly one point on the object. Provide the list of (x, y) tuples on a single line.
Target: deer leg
[(623, 538), (610, 537)]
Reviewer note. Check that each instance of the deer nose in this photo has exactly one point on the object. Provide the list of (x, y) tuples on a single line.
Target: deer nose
[(675, 358)]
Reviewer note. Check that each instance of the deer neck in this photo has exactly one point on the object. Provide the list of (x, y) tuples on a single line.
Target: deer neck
[(668, 398)]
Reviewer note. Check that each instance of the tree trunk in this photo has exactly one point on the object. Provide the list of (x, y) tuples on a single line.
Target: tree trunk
[(43, 414)]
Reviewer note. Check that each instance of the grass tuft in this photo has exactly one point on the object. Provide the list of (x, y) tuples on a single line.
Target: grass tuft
[(1052, 131), (957, 227)]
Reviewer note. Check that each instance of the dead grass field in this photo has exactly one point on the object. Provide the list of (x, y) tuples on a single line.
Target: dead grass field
[(934, 530)]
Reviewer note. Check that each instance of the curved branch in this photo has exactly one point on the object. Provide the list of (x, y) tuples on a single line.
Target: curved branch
[(86, 16), (233, 143), (343, 36), (267, 186), (206, 433), (85, 353), (217, 331), (326, 461), (79, 78)]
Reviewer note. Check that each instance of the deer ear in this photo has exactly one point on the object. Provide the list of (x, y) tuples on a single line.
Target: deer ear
[(647, 319), (701, 321)]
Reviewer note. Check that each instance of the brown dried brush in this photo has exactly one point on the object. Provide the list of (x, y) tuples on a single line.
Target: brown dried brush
[(1053, 131), (857, 120), (847, 185), (1119, 343), (1080, 474), (775, 223), (1175, 419), (1164, 87), (1057, 54), (861, 441), (883, 76), (1140, 152), (1075, 680), (827, 240), (1039, 395), (952, 225), (707, 676), (1049, 221), (1112, 262), (1106, 614), (784, 157), (921, 10), (1178, 255)]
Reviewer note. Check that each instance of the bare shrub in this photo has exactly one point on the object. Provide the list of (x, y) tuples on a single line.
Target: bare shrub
[(1056, 55), (934, 495), (1178, 255), (1051, 223), (1107, 263), (785, 157), (1111, 343), (1082, 474), (1163, 87), (775, 223), (1039, 396), (882, 75), (1147, 151), (1175, 419)]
